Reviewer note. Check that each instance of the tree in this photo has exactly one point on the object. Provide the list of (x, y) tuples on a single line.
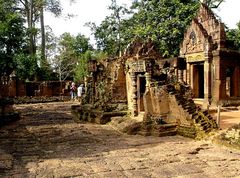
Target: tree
[(81, 69), (71, 51), (12, 36), (54, 7), (81, 44), (33, 11), (26, 66), (212, 3), (233, 37), (109, 34), (66, 60), (164, 22)]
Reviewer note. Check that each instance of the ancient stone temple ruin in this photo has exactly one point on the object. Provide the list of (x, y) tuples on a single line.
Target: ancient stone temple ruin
[(158, 93), (143, 86), (141, 63), (212, 70)]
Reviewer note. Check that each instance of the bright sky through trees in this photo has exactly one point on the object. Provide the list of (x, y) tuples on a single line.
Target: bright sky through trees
[(96, 10)]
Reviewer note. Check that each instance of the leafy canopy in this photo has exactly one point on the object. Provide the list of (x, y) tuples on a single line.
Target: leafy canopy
[(12, 36), (163, 21)]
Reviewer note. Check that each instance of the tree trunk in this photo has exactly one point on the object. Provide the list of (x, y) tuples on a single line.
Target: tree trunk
[(29, 13), (43, 46)]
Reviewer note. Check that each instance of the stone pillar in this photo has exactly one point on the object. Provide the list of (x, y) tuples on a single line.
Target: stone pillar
[(185, 75), (134, 94), (148, 79), (219, 84), (188, 74), (236, 81), (207, 80), (176, 74), (180, 77), (191, 75)]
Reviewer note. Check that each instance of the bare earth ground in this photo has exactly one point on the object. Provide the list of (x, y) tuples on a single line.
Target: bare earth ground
[(46, 143)]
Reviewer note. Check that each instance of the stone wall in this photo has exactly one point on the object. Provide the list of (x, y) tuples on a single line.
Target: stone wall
[(156, 102), (19, 88), (172, 104)]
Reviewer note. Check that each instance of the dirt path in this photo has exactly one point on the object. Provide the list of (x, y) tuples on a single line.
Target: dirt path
[(46, 143)]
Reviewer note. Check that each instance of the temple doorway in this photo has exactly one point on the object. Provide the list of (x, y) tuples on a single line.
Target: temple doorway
[(198, 80), (141, 87), (230, 81)]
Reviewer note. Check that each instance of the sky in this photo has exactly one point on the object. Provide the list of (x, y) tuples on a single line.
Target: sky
[(84, 11), (96, 11)]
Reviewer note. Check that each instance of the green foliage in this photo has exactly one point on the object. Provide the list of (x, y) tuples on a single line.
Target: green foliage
[(109, 34), (233, 38), (26, 66), (73, 55), (81, 69), (12, 36), (163, 21), (81, 44)]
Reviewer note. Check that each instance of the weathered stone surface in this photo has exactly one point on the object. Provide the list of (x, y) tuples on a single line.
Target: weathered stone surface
[(46, 142)]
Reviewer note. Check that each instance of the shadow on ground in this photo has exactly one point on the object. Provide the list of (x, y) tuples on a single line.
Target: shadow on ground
[(47, 132)]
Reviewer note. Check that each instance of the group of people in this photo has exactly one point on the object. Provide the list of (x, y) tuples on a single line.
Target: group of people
[(76, 93)]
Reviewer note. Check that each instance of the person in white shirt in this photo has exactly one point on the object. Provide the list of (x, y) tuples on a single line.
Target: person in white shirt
[(80, 91)]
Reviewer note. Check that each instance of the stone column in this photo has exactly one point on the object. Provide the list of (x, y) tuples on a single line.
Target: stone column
[(207, 80), (185, 75), (188, 74), (191, 75), (148, 79), (176, 74), (236, 82), (219, 84), (180, 77), (134, 93)]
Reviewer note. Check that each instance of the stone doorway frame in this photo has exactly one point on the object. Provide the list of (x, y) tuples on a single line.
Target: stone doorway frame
[(198, 79), (141, 83)]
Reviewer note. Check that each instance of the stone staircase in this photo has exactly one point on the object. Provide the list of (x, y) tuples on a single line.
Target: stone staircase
[(158, 130), (201, 119)]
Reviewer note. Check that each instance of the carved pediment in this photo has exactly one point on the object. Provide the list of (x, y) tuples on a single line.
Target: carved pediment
[(140, 49), (204, 33), (194, 40)]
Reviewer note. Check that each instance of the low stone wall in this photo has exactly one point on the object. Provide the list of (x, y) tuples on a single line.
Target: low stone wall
[(39, 99)]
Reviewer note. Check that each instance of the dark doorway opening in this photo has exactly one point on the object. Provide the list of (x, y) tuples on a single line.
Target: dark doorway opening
[(230, 81), (201, 81), (141, 87), (198, 80)]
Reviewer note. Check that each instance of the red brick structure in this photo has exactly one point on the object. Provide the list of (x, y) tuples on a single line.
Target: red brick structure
[(212, 70)]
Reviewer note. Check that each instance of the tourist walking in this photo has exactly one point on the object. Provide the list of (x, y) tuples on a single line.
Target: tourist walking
[(73, 91)]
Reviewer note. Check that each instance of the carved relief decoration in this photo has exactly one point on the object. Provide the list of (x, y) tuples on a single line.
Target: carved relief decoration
[(204, 32), (193, 41), (139, 49), (196, 57), (136, 66)]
